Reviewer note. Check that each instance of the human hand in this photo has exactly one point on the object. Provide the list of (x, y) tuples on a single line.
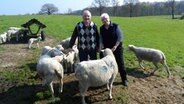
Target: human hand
[(113, 48), (69, 50)]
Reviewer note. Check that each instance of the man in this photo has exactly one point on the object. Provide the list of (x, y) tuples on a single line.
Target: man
[(88, 38), (111, 37)]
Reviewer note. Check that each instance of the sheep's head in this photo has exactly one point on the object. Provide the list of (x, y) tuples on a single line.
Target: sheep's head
[(55, 52), (60, 47), (131, 47), (60, 58), (46, 49), (106, 52)]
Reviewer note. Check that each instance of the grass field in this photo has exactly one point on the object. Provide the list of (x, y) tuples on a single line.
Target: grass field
[(159, 32)]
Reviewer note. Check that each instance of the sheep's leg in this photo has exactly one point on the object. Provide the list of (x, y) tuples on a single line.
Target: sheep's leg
[(60, 76), (52, 91), (83, 90), (167, 68), (140, 63), (156, 68), (67, 68), (29, 45), (110, 92), (110, 86), (51, 88), (61, 85), (48, 80), (8, 35), (37, 45), (44, 82), (17, 37), (72, 69)]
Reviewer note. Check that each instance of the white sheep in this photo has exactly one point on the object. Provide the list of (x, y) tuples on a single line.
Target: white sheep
[(149, 54), (3, 37), (34, 40), (51, 51), (95, 73), (14, 28), (14, 31), (46, 49), (49, 68), (65, 42)]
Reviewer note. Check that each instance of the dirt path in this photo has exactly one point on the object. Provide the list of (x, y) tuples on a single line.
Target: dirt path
[(142, 89)]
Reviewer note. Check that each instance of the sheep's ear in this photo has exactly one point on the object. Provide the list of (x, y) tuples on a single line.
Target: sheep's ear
[(130, 46), (102, 51)]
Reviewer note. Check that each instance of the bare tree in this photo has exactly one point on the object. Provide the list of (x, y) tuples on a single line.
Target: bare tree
[(115, 4), (131, 3), (172, 6), (48, 9), (69, 10), (100, 4)]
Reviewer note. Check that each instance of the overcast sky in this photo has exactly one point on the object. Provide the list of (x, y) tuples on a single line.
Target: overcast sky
[(15, 7)]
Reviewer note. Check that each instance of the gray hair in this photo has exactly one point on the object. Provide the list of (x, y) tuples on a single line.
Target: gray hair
[(105, 15), (86, 12)]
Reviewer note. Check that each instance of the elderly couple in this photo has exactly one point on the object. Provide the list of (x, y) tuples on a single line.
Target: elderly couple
[(90, 42)]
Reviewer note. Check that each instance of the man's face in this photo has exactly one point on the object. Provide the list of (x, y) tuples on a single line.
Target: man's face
[(86, 17)]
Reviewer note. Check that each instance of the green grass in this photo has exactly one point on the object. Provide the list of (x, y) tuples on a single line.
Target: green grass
[(159, 32)]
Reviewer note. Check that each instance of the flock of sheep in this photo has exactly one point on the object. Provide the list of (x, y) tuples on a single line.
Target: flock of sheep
[(18, 33), (55, 61), (11, 32)]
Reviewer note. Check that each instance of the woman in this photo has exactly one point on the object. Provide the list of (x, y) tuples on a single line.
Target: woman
[(111, 37)]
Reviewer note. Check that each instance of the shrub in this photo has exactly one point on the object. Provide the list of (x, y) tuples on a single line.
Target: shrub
[(182, 16)]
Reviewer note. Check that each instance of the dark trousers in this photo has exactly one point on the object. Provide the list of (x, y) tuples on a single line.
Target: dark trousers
[(85, 55), (118, 53)]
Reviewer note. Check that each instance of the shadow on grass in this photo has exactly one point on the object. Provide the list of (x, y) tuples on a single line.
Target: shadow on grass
[(13, 41), (32, 92), (137, 73), (29, 94), (32, 66), (69, 94), (20, 94)]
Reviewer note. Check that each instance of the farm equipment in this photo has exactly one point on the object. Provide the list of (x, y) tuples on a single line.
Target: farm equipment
[(32, 28)]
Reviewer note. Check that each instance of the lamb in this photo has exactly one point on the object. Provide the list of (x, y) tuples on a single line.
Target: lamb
[(71, 59), (34, 40), (149, 54), (48, 68), (95, 73)]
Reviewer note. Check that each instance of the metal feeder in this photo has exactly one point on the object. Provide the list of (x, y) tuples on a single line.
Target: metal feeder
[(29, 33)]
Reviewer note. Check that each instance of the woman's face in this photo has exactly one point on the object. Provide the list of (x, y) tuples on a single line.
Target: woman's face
[(105, 21)]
